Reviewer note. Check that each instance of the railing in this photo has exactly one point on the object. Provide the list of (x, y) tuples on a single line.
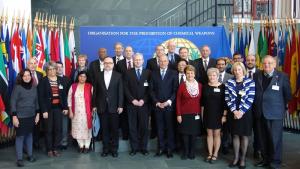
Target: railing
[(195, 13)]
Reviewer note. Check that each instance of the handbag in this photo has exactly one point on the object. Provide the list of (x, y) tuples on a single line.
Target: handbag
[(96, 124)]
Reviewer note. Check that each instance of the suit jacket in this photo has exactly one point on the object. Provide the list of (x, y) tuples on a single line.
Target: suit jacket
[(94, 70), (226, 77), (164, 90), (39, 75), (201, 75), (74, 74), (137, 88), (115, 62), (174, 65), (152, 64), (45, 94), (271, 103), (111, 97), (121, 67)]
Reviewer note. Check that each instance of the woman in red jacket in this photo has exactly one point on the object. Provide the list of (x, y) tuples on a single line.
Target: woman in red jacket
[(188, 112)]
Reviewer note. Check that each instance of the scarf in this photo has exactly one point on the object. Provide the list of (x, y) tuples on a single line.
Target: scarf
[(192, 88)]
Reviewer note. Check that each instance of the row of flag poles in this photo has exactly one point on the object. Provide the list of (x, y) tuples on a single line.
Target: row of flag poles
[(48, 40), (281, 39)]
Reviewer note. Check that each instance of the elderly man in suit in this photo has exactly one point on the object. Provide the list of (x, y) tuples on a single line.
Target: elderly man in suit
[(202, 64), (273, 92), (223, 77), (137, 92), (172, 56), (36, 78), (163, 92), (108, 102)]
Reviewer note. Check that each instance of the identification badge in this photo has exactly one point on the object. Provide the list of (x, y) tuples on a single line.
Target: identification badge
[(275, 87), (242, 92), (197, 117), (146, 84), (217, 90), (60, 86)]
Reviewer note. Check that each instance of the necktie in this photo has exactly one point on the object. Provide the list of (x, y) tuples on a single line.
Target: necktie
[(34, 81), (138, 73), (129, 65), (205, 64), (250, 74), (220, 78), (172, 58), (181, 79), (162, 74)]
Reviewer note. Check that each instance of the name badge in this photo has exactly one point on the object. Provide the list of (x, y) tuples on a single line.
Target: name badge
[(60, 87), (217, 90), (197, 117), (146, 84), (275, 87), (242, 92)]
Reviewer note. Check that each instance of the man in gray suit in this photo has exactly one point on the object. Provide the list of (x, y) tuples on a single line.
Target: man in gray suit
[(272, 94), (223, 77)]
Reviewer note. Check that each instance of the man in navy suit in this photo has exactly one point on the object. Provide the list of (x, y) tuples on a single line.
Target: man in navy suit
[(163, 92), (272, 94), (203, 63), (137, 92), (172, 56)]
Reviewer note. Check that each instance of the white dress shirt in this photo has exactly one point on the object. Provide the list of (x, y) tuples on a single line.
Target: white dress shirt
[(119, 58), (101, 65), (107, 77), (179, 77)]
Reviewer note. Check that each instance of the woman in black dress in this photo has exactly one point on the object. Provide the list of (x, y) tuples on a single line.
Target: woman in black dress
[(239, 96), (24, 108), (214, 112)]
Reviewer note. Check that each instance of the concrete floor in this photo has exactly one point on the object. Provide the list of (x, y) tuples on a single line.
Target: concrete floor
[(70, 159)]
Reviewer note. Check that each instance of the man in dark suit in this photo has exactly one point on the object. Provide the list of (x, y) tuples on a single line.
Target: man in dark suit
[(272, 94), (119, 49), (137, 94), (97, 65), (184, 54), (65, 120), (36, 78), (108, 102), (203, 63), (223, 77), (251, 70), (172, 56), (152, 64), (163, 92), (122, 67)]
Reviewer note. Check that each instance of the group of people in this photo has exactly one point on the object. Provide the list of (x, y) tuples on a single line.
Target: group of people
[(183, 98)]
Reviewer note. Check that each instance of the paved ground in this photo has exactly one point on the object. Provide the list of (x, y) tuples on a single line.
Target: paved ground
[(70, 159)]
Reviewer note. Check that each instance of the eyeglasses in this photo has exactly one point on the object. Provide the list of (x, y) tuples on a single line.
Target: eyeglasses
[(108, 63)]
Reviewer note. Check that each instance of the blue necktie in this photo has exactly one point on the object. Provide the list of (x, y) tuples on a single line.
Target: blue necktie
[(163, 74), (138, 73)]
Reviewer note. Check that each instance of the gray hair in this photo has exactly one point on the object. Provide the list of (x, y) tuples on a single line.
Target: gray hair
[(50, 64), (213, 70)]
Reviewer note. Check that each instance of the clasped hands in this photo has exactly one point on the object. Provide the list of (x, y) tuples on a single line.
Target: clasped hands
[(238, 114), (162, 105)]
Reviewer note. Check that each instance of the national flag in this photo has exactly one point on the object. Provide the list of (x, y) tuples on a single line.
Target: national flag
[(246, 44), (62, 48), (45, 43), (39, 51), (29, 41), (281, 46), (68, 59), (294, 69), (3, 118), (251, 50), (48, 55), (72, 48), (287, 57), (260, 45), (3, 74), (241, 46), (264, 50), (24, 51), (16, 52)]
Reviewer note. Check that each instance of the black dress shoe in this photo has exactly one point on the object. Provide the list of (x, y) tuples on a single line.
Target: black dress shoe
[(242, 166), (232, 165), (262, 163), (114, 154), (257, 155), (20, 163), (104, 154), (132, 152), (31, 159), (169, 154), (159, 153), (145, 152)]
